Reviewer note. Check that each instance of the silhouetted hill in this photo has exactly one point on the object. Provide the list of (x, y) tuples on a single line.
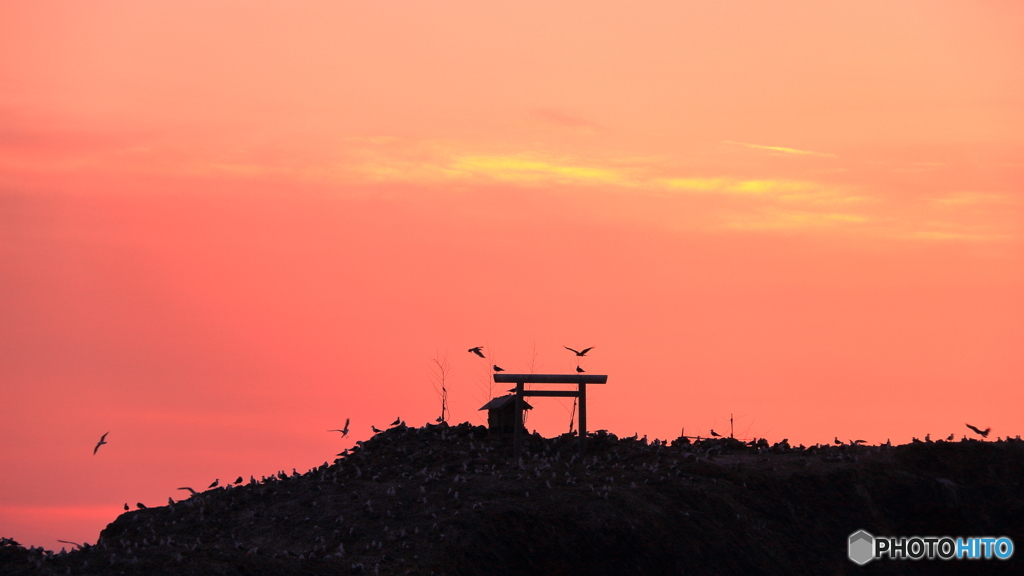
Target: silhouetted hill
[(450, 500)]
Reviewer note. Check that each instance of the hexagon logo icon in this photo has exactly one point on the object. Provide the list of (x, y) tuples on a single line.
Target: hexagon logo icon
[(861, 547)]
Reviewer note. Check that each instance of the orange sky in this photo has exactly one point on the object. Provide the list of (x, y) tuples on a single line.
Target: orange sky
[(225, 227)]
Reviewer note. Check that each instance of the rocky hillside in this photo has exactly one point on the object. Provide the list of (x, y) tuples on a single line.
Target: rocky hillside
[(452, 501)]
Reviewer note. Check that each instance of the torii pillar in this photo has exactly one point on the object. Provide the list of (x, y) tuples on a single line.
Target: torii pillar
[(521, 380)]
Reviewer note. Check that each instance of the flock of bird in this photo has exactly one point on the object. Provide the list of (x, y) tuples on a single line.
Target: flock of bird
[(478, 350)]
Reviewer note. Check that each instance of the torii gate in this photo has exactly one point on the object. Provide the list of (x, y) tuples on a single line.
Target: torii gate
[(520, 380)]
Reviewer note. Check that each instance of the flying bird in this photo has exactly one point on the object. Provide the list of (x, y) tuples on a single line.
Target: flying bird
[(984, 433), (713, 433), (239, 480), (66, 542), (857, 441), (215, 483), (579, 352), (375, 430), (184, 488), (580, 370), (477, 350), (396, 422), (344, 431), (103, 440), (498, 368)]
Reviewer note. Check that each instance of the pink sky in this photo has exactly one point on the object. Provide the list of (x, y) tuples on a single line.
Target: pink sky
[(225, 227)]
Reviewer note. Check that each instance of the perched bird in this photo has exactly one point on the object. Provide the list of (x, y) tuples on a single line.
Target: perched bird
[(439, 419), (928, 437), (950, 438), (580, 370), (170, 501), (375, 430), (837, 441), (185, 488), (984, 433), (498, 368), (238, 480), (477, 350), (344, 431), (396, 422), (713, 433), (140, 505), (579, 352), (126, 508), (215, 483), (103, 440)]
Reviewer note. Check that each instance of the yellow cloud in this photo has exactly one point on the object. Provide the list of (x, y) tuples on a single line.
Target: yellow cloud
[(701, 184), (531, 169), (968, 198), (780, 149), (794, 191)]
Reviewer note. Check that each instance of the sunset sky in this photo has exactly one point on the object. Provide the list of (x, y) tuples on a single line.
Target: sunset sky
[(226, 227)]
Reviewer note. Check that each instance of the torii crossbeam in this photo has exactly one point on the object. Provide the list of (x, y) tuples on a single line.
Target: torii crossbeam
[(521, 380)]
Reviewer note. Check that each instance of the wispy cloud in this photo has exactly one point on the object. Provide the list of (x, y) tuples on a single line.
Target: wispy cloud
[(780, 150), (972, 199), (794, 191), (561, 117), (532, 169)]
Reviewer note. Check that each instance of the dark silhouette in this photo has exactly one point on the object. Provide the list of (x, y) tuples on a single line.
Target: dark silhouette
[(140, 505), (375, 429), (103, 440), (238, 480), (578, 352), (580, 370), (185, 488), (396, 422), (950, 438), (854, 442), (66, 542), (344, 431), (477, 350), (713, 433), (498, 368), (126, 508), (837, 441), (215, 483), (983, 433)]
